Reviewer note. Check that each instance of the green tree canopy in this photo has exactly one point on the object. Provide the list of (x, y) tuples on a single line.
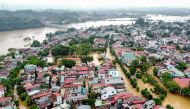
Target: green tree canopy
[(35, 43), (68, 63), (60, 50)]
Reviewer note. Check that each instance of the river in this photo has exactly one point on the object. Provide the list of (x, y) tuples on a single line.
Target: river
[(14, 39)]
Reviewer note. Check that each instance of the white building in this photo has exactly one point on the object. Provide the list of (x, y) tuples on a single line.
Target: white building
[(113, 73), (107, 92)]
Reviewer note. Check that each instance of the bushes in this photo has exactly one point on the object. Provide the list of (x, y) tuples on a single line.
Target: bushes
[(86, 59), (157, 101), (171, 85), (150, 80), (185, 91), (35, 43), (146, 94), (60, 50), (169, 106), (68, 63), (133, 82), (155, 71), (139, 75)]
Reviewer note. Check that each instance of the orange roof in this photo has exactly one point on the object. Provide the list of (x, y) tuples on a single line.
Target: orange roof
[(182, 82), (41, 95), (71, 85), (5, 99)]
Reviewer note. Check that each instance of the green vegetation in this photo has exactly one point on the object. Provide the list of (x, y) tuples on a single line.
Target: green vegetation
[(171, 85), (169, 106), (155, 71), (185, 91), (35, 43), (149, 33), (146, 94), (44, 52), (36, 61), (140, 22), (157, 101), (91, 99), (133, 82), (86, 59), (60, 50), (181, 66), (68, 63)]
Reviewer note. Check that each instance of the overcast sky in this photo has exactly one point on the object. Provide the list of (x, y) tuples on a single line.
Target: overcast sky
[(90, 4)]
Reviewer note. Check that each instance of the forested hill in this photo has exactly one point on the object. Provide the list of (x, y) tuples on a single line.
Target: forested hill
[(26, 19)]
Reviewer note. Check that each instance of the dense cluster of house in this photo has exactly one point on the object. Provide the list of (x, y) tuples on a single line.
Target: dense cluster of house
[(59, 87)]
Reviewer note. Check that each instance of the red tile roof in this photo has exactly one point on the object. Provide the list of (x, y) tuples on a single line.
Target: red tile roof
[(33, 86), (71, 85), (182, 82), (5, 99), (41, 95)]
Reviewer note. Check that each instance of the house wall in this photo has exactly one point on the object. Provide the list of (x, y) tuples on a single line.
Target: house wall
[(2, 93)]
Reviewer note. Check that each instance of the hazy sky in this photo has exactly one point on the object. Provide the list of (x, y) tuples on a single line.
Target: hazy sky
[(90, 4)]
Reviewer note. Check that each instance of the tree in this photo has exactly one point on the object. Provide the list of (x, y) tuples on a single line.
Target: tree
[(132, 70), (45, 42), (28, 101), (149, 33), (166, 77), (155, 71), (20, 89), (143, 59), (68, 63), (146, 94), (144, 67), (23, 96), (35, 43), (44, 52), (16, 102), (36, 61), (173, 86), (84, 49), (34, 107), (60, 50), (181, 66), (86, 59), (139, 75), (140, 21), (185, 91), (157, 101), (91, 99), (168, 106)]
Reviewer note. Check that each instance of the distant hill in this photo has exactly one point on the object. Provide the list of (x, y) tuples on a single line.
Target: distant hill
[(26, 19)]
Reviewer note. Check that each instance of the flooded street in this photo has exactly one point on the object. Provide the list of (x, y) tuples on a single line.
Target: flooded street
[(21, 103), (127, 83), (14, 39), (176, 100)]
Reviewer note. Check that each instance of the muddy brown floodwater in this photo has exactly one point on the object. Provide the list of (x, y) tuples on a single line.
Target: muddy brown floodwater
[(14, 39), (176, 100)]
